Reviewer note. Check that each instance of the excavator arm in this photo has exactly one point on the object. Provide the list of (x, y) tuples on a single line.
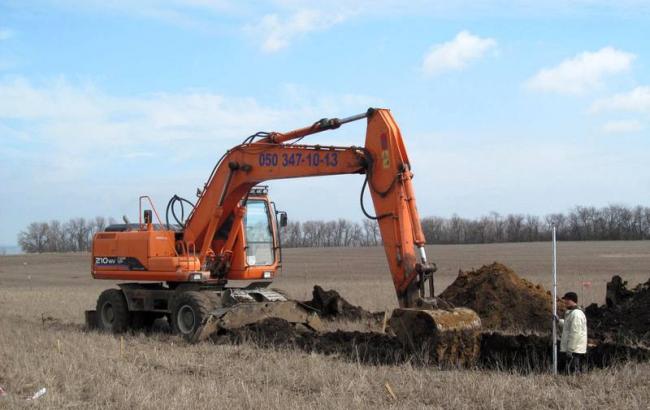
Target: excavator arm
[(388, 177), (389, 180)]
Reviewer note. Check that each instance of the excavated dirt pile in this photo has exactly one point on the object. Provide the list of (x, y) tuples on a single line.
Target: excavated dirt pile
[(502, 299), (624, 317)]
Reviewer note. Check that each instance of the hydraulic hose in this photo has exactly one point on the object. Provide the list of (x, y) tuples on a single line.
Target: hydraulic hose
[(171, 205)]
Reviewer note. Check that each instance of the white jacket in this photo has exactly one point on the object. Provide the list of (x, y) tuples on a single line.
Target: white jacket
[(574, 332)]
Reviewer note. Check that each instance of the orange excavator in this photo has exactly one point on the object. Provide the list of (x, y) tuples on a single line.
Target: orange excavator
[(211, 270)]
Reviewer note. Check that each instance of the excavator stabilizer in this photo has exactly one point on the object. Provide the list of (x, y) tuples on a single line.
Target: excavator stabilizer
[(446, 337), (242, 314)]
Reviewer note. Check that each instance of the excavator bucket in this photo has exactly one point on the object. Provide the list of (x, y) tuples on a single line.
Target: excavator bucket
[(242, 314), (450, 338)]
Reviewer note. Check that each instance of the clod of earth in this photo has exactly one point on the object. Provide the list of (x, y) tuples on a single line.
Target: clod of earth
[(330, 305)]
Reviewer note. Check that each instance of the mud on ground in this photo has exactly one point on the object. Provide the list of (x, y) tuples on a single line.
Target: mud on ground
[(515, 315), (500, 351)]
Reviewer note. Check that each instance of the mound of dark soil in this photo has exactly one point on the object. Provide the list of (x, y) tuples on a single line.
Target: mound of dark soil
[(625, 316), (502, 299), (329, 304)]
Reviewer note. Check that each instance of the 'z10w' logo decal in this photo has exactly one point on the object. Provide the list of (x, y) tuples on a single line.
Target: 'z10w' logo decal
[(121, 261), (108, 260)]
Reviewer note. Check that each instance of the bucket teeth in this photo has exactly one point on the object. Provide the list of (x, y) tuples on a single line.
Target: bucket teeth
[(447, 337)]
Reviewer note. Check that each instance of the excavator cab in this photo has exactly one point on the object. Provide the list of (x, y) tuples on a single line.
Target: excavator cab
[(256, 254), (244, 249)]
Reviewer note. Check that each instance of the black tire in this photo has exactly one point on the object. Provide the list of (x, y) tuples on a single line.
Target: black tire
[(112, 312), (188, 311)]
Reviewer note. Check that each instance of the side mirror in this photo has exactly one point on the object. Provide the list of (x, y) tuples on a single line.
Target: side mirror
[(147, 216), (283, 219)]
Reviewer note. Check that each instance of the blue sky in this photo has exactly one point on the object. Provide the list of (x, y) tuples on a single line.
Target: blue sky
[(505, 106)]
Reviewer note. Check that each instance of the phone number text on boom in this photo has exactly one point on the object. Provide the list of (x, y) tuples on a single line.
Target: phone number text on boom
[(313, 159)]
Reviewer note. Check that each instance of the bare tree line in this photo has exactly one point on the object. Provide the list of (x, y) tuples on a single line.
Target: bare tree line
[(55, 236), (582, 223), (330, 233)]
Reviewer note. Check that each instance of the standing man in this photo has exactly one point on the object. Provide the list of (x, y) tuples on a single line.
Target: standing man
[(573, 344)]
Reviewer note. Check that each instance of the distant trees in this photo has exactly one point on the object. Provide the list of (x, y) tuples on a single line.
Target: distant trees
[(330, 233), (582, 223), (54, 236), (34, 238)]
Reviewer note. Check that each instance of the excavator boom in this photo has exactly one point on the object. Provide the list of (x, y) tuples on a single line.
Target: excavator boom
[(388, 177)]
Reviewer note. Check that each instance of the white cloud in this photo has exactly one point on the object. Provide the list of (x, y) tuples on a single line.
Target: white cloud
[(636, 100), (5, 34), (622, 127), (276, 33), (582, 72), (82, 151), (457, 53), (75, 122)]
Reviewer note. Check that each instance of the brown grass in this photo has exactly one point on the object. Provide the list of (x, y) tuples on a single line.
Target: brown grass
[(89, 370)]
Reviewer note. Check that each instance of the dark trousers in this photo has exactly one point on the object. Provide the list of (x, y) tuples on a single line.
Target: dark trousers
[(572, 363)]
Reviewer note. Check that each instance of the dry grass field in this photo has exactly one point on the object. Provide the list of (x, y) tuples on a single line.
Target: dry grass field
[(43, 344)]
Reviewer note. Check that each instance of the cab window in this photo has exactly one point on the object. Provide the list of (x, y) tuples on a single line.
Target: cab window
[(259, 236)]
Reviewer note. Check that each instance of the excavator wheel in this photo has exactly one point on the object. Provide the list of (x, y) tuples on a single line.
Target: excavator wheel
[(112, 312), (188, 310)]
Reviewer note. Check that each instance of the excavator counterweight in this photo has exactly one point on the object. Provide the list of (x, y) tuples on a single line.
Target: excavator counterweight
[(210, 271)]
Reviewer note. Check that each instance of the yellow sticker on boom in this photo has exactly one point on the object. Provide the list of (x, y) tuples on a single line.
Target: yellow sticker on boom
[(385, 158)]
